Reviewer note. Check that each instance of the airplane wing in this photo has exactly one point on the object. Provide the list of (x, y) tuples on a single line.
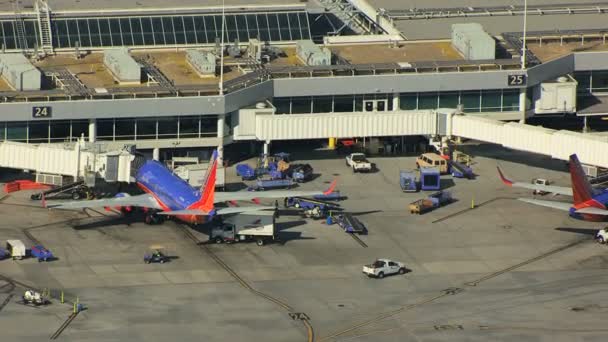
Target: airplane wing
[(144, 201), (561, 190), (248, 196), (221, 211), (551, 204)]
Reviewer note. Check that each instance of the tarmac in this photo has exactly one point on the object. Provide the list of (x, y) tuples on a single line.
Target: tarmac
[(503, 271)]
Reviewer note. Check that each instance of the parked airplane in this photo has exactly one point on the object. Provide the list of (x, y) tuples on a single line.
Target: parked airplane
[(167, 194), (588, 204)]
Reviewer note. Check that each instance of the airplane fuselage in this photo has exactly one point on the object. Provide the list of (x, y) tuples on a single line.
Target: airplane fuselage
[(171, 192)]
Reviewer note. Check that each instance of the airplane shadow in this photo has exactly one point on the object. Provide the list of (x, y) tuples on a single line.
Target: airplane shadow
[(105, 222), (281, 226), (359, 213), (285, 237), (584, 231)]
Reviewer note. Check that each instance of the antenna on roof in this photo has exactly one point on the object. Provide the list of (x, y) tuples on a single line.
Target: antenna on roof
[(222, 49)]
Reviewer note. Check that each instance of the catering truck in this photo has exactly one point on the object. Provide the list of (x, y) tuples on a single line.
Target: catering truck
[(245, 227)]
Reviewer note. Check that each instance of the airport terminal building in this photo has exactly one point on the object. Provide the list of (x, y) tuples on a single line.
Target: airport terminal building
[(148, 73)]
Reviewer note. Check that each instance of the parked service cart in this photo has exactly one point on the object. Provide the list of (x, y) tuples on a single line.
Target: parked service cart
[(407, 181), (430, 178), (41, 253), (265, 184), (602, 236), (259, 227), (31, 297), (435, 200), (16, 249), (156, 254)]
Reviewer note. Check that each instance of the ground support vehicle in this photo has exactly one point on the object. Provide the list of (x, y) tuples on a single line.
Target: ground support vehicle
[(300, 172), (264, 184), (435, 200), (540, 181), (602, 236), (3, 253), (76, 191), (459, 170), (407, 181), (41, 253), (245, 227), (31, 297), (156, 254), (432, 160), (430, 178), (246, 172), (358, 162), (349, 223), (383, 267), (16, 249), (312, 208)]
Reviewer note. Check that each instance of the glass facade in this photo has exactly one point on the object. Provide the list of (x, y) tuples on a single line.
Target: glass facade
[(592, 82), (473, 101), (159, 30), (110, 129)]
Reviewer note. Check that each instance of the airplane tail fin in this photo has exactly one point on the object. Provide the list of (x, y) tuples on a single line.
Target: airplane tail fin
[(207, 192), (581, 188)]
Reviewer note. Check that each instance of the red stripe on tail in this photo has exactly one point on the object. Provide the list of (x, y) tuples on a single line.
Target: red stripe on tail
[(205, 203)]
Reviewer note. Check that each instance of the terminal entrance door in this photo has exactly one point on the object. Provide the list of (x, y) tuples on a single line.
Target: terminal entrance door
[(375, 105)]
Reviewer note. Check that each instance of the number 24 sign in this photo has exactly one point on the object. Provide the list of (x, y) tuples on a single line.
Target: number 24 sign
[(42, 112)]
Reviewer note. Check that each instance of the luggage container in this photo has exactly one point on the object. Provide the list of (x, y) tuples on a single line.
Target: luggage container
[(16, 249), (430, 178), (407, 181), (245, 171)]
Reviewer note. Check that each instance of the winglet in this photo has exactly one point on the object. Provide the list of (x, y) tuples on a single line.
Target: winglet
[(503, 178), (331, 188)]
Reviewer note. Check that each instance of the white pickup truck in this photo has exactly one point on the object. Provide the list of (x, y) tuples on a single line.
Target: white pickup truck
[(358, 162), (384, 267)]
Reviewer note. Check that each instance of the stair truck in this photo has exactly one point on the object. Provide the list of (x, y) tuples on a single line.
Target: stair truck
[(245, 227)]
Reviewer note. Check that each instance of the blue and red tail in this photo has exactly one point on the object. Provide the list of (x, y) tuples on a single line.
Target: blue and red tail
[(581, 188), (207, 192)]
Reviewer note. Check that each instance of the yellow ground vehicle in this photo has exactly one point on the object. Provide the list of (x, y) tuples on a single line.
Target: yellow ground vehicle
[(432, 160)]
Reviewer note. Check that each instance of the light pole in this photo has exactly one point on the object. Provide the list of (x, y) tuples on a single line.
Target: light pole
[(523, 48), (221, 85)]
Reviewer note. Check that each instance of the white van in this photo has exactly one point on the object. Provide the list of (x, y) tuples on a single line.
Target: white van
[(16, 248)]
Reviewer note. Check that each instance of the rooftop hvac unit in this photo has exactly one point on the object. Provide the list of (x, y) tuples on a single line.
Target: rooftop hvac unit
[(122, 66), (311, 54), (203, 62), (473, 42)]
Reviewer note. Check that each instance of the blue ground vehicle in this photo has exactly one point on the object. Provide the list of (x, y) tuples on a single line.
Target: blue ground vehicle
[(264, 184), (407, 181), (312, 208), (3, 253), (459, 170), (350, 224), (435, 200), (301, 172), (41, 253), (430, 178)]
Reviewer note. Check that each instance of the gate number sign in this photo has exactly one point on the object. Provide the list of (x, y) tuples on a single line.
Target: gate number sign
[(42, 112), (516, 80)]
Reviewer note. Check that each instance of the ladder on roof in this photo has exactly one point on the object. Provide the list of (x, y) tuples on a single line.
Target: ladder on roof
[(43, 13), (21, 42)]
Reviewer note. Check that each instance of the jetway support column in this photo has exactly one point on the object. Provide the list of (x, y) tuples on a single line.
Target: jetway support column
[(267, 147), (156, 154), (220, 134), (522, 105), (92, 130)]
